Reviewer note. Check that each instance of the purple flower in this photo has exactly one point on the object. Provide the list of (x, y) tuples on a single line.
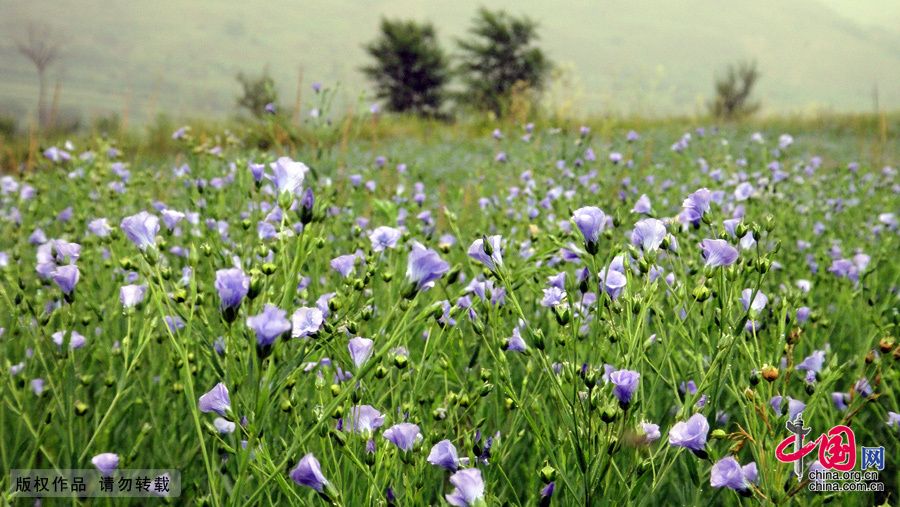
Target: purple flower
[(728, 473), (364, 419), (591, 221), (424, 267), (840, 400), (224, 426), (99, 227), (717, 252), (307, 205), (690, 434), (141, 229), (308, 472), (306, 322), (648, 234), (553, 296), (642, 205), (403, 435), (444, 455), (76, 339), (106, 463), (57, 155), (515, 343), (743, 191), (216, 400), (360, 350), (478, 252), (171, 218), (626, 383), (232, 285), (863, 387), (37, 386), (66, 252), (270, 108), (468, 488), (759, 301), (803, 314), (269, 325), (66, 277), (384, 237), (785, 140), (893, 420), (288, 175), (696, 205), (344, 264), (257, 171), (613, 282), (794, 406), (813, 362), (132, 295), (547, 492), (651, 432)]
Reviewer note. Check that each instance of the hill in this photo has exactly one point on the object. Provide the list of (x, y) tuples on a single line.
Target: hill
[(651, 57)]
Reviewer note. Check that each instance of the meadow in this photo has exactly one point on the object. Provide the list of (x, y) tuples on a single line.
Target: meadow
[(499, 313)]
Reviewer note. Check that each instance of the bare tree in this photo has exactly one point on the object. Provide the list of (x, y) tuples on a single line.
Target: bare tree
[(42, 49), (733, 92)]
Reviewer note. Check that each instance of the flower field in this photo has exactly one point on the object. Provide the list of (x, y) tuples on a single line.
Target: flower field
[(526, 316)]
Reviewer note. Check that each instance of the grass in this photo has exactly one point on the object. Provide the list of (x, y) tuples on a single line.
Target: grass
[(551, 413)]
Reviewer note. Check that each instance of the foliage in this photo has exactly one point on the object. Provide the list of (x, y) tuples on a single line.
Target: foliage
[(500, 54), (257, 93), (409, 69)]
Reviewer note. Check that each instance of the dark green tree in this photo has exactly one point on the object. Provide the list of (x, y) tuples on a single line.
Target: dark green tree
[(733, 91), (409, 68), (500, 55), (257, 92)]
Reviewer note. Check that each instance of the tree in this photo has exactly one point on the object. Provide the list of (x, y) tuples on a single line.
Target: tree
[(409, 68), (500, 57), (733, 92), (258, 92), (42, 49)]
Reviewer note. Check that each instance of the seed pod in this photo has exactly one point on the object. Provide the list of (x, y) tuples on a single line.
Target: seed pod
[(770, 373)]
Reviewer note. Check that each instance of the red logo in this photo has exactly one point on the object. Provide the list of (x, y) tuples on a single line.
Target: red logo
[(837, 448)]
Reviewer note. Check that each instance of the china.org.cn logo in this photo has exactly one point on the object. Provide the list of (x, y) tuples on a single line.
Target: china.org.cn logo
[(837, 457)]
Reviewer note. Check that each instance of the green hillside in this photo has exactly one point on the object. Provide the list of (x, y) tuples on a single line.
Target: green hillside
[(653, 57)]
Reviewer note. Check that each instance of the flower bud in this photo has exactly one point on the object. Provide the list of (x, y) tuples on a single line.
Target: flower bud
[(701, 293), (81, 408), (548, 474)]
